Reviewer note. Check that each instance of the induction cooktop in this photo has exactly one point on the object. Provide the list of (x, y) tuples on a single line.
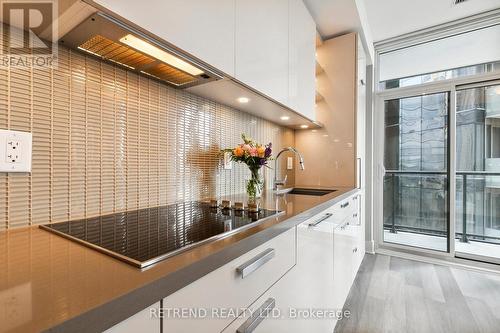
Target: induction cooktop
[(146, 236)]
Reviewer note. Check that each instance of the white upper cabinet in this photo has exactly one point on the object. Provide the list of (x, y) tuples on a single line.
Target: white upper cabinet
[(261, 52), (302, 49), (203, 28), (269, 45)]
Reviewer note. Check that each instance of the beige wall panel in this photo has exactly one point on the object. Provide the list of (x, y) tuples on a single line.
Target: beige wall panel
[(329, 153)]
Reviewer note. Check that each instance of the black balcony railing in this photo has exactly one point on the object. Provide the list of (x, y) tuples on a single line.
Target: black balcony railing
[(424, 209)]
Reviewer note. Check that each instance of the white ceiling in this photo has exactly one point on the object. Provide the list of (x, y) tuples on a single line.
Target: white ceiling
[(338, 17), (333, 17), (390, 18)]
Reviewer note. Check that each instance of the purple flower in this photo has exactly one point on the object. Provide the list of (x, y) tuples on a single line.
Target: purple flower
[(268, 150)]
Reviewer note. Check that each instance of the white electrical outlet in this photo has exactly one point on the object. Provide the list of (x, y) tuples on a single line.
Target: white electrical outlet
[(12, 149), (15, 151), (289, 163)]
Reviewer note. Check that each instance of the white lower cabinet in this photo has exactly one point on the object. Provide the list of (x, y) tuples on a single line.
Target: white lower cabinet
[(312, 294), (146, 321), (308, 285), (230, 288), (342, 262), (358, 232), (349, 250)]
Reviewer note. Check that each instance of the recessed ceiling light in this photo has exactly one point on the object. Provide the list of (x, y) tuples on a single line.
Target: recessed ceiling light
[(314, 131), (243, 100), (304, 126), (285, 118)]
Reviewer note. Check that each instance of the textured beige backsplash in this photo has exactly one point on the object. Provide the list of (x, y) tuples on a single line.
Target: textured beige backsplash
[(106, 140)]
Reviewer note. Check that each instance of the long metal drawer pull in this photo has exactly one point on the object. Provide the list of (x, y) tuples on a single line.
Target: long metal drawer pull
[(321, 219), (253, 264), (344, 205), (257, 317)]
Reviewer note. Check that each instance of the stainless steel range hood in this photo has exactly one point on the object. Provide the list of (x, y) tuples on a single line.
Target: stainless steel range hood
[(108, 39)]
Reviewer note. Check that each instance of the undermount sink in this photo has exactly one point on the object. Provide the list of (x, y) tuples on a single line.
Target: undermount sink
[(308, 191)]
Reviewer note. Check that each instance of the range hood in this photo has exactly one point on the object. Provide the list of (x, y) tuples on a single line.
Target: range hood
[(108, 39)]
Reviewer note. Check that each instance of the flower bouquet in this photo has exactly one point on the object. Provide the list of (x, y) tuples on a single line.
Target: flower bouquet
[(255, 156)]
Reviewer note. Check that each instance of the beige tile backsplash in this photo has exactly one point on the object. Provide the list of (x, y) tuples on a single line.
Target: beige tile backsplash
[(106, 139)]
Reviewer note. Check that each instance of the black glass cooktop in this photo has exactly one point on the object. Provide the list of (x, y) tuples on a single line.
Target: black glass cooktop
[(146, 236)]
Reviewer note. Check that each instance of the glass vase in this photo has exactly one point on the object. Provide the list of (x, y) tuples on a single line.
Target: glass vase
[(255, 184)]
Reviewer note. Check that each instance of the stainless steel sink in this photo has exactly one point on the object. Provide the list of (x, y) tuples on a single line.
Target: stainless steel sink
[(306, 191)]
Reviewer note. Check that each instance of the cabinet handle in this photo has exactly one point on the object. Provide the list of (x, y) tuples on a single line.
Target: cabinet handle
[(321, 219), (344, 205), (355, 250), (257, 317), (355, 215), (344, 225), (253, 264)]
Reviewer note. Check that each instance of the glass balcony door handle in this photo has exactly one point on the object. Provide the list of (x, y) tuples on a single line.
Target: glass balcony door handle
[(358, 169), (257, 316)]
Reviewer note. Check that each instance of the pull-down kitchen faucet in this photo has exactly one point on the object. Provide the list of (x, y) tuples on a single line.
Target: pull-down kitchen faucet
[(283, 181)]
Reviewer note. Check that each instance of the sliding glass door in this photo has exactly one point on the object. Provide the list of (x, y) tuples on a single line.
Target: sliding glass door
[(440, 183), (477, 234), (415, 184)]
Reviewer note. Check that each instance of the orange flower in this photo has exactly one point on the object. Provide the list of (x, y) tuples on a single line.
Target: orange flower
[(261, 151), (238, 151)]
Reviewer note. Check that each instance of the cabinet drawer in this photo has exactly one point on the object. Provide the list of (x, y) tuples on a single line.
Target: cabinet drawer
[(233, 286), (265, 306), (275, 314)]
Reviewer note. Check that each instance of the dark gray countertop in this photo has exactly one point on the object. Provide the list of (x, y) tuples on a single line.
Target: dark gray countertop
[(77, 289)]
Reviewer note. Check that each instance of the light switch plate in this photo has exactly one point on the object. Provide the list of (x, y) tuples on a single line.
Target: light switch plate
[(289, 163), (15, 151)]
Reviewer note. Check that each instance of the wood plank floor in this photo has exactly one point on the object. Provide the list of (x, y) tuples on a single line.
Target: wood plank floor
[(397, 295)]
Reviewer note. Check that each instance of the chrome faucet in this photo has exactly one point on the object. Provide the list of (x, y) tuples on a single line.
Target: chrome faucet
[(283, 181)]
